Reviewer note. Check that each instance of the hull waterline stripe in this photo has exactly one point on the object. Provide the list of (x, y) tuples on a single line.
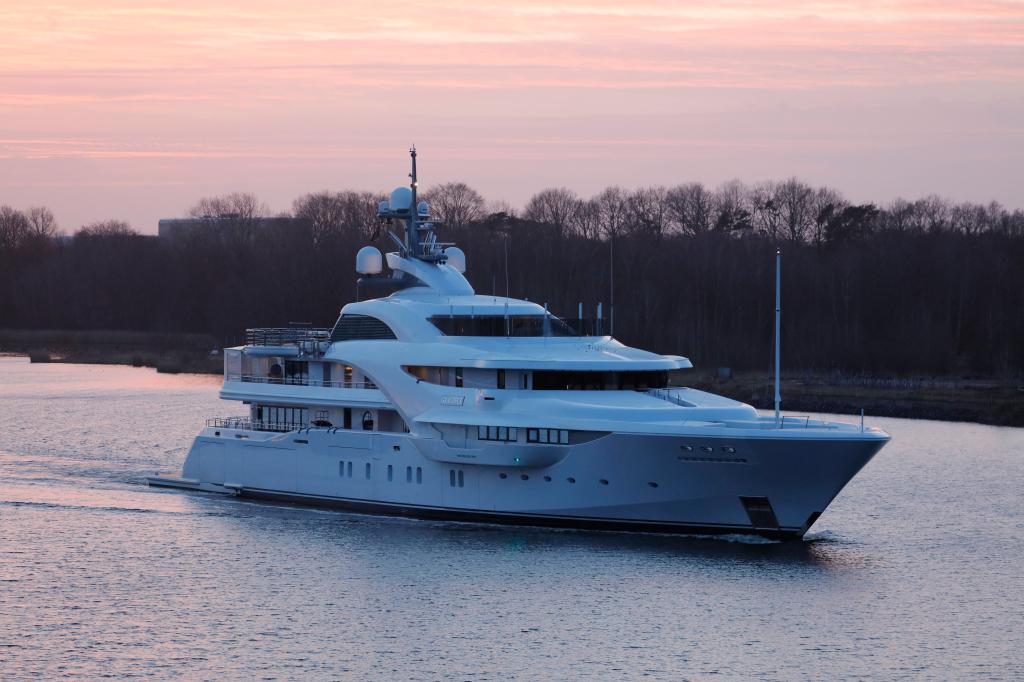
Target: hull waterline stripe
[(518, 518)]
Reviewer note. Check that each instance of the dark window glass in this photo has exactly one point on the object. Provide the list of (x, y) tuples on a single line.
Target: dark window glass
[(360, 328), (500, 325), (556, 380)]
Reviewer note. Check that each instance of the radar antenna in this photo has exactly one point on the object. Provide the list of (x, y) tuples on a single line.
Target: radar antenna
[(420, 240)]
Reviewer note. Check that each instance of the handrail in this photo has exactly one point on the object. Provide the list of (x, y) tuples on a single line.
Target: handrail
[(247, 424), (667, 395), (280, 336), (299, 381), (797, 421)]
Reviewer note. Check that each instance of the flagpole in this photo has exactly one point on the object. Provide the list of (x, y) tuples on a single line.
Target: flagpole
[(778, 315)]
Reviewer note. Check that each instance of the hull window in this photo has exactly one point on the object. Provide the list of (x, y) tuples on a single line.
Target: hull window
[(549, 436), (499, 433)]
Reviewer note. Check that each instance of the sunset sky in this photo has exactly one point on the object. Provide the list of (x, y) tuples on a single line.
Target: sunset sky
[(135, 109)]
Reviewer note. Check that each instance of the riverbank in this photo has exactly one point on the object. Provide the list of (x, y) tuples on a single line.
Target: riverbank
[(993, 401), (169, 353), (987, 401)]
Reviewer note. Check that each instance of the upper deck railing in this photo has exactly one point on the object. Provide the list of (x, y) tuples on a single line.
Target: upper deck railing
[(297, 381), (246, 424), (282, 336)]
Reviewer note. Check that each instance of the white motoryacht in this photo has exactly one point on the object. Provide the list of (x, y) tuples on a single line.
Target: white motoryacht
[(437, 402)]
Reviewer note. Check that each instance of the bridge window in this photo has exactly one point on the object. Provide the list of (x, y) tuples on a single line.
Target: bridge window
[(360, 328), (502, 325), (556, 380)]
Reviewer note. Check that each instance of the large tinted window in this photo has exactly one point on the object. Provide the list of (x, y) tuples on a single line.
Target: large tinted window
[(359, 328), (599, 381), (501, 325)]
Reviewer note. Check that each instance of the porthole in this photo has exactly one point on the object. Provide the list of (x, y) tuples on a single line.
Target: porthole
[(571, 479), (652, 484), (729, 449), (547, 478), (604, 481), (502, 475), (524, 477), (687, 448), (707, 448)]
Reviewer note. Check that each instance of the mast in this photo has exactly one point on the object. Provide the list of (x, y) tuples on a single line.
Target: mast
[(420, 239), (412, 236), (778, 315)]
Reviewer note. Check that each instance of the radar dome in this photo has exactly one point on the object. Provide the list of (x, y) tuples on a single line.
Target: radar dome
[(456, 258), (369, 261), (401, 200), (423, 209)]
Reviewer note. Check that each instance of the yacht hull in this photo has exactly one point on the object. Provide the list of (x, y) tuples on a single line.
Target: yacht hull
[(686, 484)]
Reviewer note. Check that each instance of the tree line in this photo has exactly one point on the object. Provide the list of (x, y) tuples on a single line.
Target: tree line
[(912, 287)]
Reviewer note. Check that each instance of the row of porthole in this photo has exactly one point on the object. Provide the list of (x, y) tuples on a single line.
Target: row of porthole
[(570, 479), (707, 448)]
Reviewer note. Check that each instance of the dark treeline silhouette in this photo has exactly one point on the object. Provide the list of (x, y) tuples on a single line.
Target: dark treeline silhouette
[(923, 287)]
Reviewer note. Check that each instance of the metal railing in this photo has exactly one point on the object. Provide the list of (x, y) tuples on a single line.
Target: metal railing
[(667, 395), (247, 424), (803, 421), (298, 381), (281, 336)]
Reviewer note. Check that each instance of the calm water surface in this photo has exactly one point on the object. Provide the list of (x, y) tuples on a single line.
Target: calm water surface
[(915, 572)]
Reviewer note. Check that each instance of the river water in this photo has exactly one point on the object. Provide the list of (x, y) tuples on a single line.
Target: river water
[(915, 572)]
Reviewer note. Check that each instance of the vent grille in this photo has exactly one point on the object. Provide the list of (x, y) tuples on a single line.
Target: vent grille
[(360, 328)]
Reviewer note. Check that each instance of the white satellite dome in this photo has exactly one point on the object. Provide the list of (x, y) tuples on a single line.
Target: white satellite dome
[(423, 209), (401, 200), (456, 258), (369, 261)]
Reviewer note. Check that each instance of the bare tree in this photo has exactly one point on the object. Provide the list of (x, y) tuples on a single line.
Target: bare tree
[(455, 203), (238, 205), (612, 210), (333, 214), (587, 222), (647, 210), (107, 228), (825, 203), (41, 222), (555, 206), (14, 229), (796, 209), (691, 208), (732, 207)]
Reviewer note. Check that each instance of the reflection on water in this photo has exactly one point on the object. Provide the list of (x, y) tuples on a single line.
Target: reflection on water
[(913, 573)]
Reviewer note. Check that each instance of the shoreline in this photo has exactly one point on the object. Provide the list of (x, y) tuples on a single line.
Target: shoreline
[(989, 400)]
